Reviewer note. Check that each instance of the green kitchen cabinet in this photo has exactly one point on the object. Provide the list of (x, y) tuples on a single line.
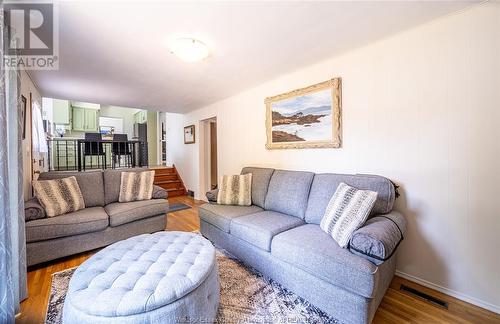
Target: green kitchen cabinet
[(91, 116), (141, 116), (85, 120), (78, 119), (61, 112)]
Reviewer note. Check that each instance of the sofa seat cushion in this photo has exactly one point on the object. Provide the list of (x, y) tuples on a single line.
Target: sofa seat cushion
[(309, 248), (85, 220), (260, 228), (220, 216), (126, 212)]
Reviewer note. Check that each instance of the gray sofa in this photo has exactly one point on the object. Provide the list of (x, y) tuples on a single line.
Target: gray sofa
[(102, 222), (279, 235)]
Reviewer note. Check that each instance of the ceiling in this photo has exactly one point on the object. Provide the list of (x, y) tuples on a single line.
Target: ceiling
[(115, 53)]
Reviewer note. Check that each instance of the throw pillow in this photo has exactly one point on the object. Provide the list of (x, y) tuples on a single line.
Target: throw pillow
[(136, 186), (212, 195), (235, 190), (347, 210), (59, 196), (159, 193)]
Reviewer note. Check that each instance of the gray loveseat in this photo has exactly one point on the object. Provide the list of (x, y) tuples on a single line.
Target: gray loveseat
[(103, 221), (279, 235)]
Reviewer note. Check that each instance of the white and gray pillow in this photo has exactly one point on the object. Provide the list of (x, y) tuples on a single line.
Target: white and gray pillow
[(235, 190), (59, 196), (136, 186), (347, 210)]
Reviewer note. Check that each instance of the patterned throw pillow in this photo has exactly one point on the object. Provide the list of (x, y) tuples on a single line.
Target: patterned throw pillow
[(235, 190), (347, 210), (136, 186), (59, 196)]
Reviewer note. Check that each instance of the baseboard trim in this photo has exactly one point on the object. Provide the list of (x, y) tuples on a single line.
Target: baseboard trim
[(450, 292)]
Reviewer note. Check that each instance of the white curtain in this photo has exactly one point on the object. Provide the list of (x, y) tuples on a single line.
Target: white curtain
[(39, 139), (12, 235)]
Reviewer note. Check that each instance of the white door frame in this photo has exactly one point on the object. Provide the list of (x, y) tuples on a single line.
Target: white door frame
[(204, 154)]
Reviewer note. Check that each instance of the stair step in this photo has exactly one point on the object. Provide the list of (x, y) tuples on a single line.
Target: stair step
[(170, 180), (163, 171), (169, 184), (176, 192), (166, 177), (166, 181)]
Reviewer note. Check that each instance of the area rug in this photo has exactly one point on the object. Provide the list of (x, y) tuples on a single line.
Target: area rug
[(246, 297), (177, 207)]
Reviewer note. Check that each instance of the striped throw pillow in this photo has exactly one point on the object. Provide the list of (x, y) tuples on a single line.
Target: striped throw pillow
[(347, 210), (59, 196), (136, 186), (235, 190)]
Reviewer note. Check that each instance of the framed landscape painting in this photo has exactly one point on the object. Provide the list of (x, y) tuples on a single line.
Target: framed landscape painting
[(305, 118)]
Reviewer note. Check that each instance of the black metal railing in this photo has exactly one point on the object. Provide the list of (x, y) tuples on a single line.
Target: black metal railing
[(81, 155)]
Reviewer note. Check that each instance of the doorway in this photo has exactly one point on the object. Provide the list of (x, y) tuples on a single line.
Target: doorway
[(208, 156)]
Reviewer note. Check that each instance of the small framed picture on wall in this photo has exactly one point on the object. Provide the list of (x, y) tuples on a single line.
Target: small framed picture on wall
[(189, 137)]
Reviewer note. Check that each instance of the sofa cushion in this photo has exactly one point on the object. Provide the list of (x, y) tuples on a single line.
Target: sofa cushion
[(235, 190), (288, 192), (309, 248), (135, 186), (112, 181), (86, 220), (260, 183), (90, 182), (346, 212), (59, 196), (220, 216), (260, 228), (324, 186), (126, 212)]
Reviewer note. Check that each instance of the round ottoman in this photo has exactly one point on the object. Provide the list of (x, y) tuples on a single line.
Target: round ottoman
[(165, 277)]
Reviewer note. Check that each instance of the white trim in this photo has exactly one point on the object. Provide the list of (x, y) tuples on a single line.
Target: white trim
[(450, 292)]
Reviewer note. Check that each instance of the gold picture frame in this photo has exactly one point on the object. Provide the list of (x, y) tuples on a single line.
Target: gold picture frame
[(299, 124)]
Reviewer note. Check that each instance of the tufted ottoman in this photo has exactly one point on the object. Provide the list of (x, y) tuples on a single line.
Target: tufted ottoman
[(165, 277)]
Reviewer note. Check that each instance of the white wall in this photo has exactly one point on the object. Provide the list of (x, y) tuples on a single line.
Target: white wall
[(421, 108), (175, 141)]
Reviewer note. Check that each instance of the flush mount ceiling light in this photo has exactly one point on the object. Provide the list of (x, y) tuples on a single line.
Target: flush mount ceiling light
[(189, 49)]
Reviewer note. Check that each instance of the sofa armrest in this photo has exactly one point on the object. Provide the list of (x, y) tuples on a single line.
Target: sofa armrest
[(212, 195), (159, 193), (33, 210), (379, 237)]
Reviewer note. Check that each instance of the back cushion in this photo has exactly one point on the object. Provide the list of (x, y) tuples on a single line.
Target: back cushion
[(288, 192), (90, 183), (324, 186), (260, 183), (112, 182)]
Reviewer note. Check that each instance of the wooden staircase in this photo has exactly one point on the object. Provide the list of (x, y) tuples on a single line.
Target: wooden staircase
[(169, 179)]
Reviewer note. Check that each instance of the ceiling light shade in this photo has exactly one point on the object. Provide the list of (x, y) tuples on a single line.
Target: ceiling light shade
[(190, 49)]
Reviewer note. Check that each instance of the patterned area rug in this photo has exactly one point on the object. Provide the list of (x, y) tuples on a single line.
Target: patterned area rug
[(246, 297)]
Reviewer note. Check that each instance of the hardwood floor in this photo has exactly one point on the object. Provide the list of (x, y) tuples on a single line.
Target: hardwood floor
[(396, 307)]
